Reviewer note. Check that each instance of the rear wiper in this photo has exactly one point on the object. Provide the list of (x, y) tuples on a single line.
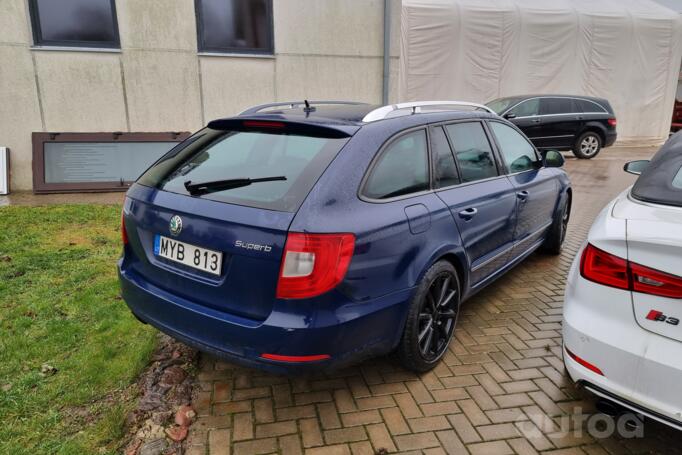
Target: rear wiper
[(196, 189)]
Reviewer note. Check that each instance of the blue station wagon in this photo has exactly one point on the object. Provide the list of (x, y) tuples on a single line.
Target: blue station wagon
[(314, 235)]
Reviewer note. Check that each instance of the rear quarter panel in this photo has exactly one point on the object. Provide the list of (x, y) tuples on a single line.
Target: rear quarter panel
[(388, 256)]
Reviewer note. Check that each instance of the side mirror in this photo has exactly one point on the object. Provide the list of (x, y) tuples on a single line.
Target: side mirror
[(509, 116), (636, 167), (552, 158)]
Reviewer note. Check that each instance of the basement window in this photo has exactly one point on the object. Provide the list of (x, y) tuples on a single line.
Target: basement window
[(77, 162), (74, 23), (234, 26)]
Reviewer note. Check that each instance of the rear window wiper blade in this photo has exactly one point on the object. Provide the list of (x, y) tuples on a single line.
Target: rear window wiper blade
[(196, 189)]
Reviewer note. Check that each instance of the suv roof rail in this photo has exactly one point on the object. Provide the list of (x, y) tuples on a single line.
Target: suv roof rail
[(384, 111), (294, 104)]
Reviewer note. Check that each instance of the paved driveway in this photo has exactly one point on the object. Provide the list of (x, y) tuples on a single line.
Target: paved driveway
[(501, 389)]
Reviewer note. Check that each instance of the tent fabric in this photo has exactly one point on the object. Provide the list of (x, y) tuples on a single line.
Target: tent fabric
[(627, 51)]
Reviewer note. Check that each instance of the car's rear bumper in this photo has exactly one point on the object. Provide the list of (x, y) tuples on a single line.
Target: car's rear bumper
[(350, 333), (641, 370), (609, 138)]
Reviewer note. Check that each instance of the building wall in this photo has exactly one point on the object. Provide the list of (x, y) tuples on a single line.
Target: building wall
[(330, 49)]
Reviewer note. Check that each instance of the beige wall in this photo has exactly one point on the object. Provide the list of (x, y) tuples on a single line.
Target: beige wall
[(329, 49)]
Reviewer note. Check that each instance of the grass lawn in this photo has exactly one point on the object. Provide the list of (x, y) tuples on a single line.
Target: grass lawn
[(59, 306)]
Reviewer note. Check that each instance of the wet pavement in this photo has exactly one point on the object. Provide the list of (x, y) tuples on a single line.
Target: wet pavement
[(501, 389)]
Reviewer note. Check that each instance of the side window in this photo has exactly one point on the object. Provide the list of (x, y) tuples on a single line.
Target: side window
[(589, 106), (474, 155), (517, 152), (402, 168), (527, 108), (444, 161), (554, 106)]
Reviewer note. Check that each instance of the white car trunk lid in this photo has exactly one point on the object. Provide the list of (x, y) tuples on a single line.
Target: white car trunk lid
[(654, 238)]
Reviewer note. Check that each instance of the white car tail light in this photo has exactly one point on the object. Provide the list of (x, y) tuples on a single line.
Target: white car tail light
[(604, 268)]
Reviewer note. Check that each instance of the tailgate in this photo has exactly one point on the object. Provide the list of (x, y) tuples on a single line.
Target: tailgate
[(250, 239)]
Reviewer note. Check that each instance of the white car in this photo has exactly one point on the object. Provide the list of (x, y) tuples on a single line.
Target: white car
[(622, 326)]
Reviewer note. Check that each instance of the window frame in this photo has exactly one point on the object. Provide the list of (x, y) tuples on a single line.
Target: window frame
[(38, 41), (377, 157), (498, 148), (202, 49), (40, 139)]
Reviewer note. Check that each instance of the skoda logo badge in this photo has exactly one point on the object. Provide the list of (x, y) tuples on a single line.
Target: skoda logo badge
[(175, 225)]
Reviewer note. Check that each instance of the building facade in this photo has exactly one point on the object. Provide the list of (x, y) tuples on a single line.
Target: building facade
[(137, 66)]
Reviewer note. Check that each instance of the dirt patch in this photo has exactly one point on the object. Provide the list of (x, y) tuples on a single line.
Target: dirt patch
[(160, 422)]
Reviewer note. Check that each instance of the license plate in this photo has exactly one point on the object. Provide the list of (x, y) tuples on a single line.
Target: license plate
[(192, 256)]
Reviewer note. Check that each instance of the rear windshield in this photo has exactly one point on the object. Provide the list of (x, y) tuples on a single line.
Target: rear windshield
[(212, 155), (661, 181)]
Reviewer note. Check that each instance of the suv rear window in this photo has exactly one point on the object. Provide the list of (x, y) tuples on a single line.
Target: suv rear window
[(213, 155)]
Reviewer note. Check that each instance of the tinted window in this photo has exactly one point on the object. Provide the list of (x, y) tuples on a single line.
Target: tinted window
[(474, 155), (234, 25), (550, 106), (446, 171), (588, 106), (527, 108), (517, 152), (401, 169), (218, 155), (74, 23), (502, 104), (677, 180)]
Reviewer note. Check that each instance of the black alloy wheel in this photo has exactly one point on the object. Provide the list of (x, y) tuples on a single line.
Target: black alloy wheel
[(431, 319)]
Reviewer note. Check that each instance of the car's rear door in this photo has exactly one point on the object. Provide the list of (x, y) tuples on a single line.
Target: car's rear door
[(483, 204), (562, 122), (240, 232), (536, 188)]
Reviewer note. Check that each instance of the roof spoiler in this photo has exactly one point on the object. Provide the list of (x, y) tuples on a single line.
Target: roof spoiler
[(277, 125)]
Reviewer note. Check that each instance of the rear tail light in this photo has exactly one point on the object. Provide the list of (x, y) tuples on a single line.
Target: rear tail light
[(584, 363), (612, 121), (650, 281), (124, 233), (313, 264), (604, 268)]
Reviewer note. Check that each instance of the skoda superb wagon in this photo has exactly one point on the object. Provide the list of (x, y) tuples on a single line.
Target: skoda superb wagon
[(319, 234)]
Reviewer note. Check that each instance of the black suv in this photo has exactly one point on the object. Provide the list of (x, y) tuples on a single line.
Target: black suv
[(580, 123)]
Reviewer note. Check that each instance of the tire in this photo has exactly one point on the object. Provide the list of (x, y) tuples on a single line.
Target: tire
[(557, 232), (588, 145), (431, 319)]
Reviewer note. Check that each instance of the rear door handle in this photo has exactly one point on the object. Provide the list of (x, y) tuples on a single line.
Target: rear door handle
[(523, 195), (536, 120), (468, 213)]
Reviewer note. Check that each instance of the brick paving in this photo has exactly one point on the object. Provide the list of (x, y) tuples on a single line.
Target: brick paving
[(501, 388)]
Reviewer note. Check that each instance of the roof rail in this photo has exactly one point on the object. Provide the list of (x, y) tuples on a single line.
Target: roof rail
[(293, 105), (384, 111)]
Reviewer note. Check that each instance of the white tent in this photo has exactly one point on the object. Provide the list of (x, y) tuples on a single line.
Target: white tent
[(627, 51)]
